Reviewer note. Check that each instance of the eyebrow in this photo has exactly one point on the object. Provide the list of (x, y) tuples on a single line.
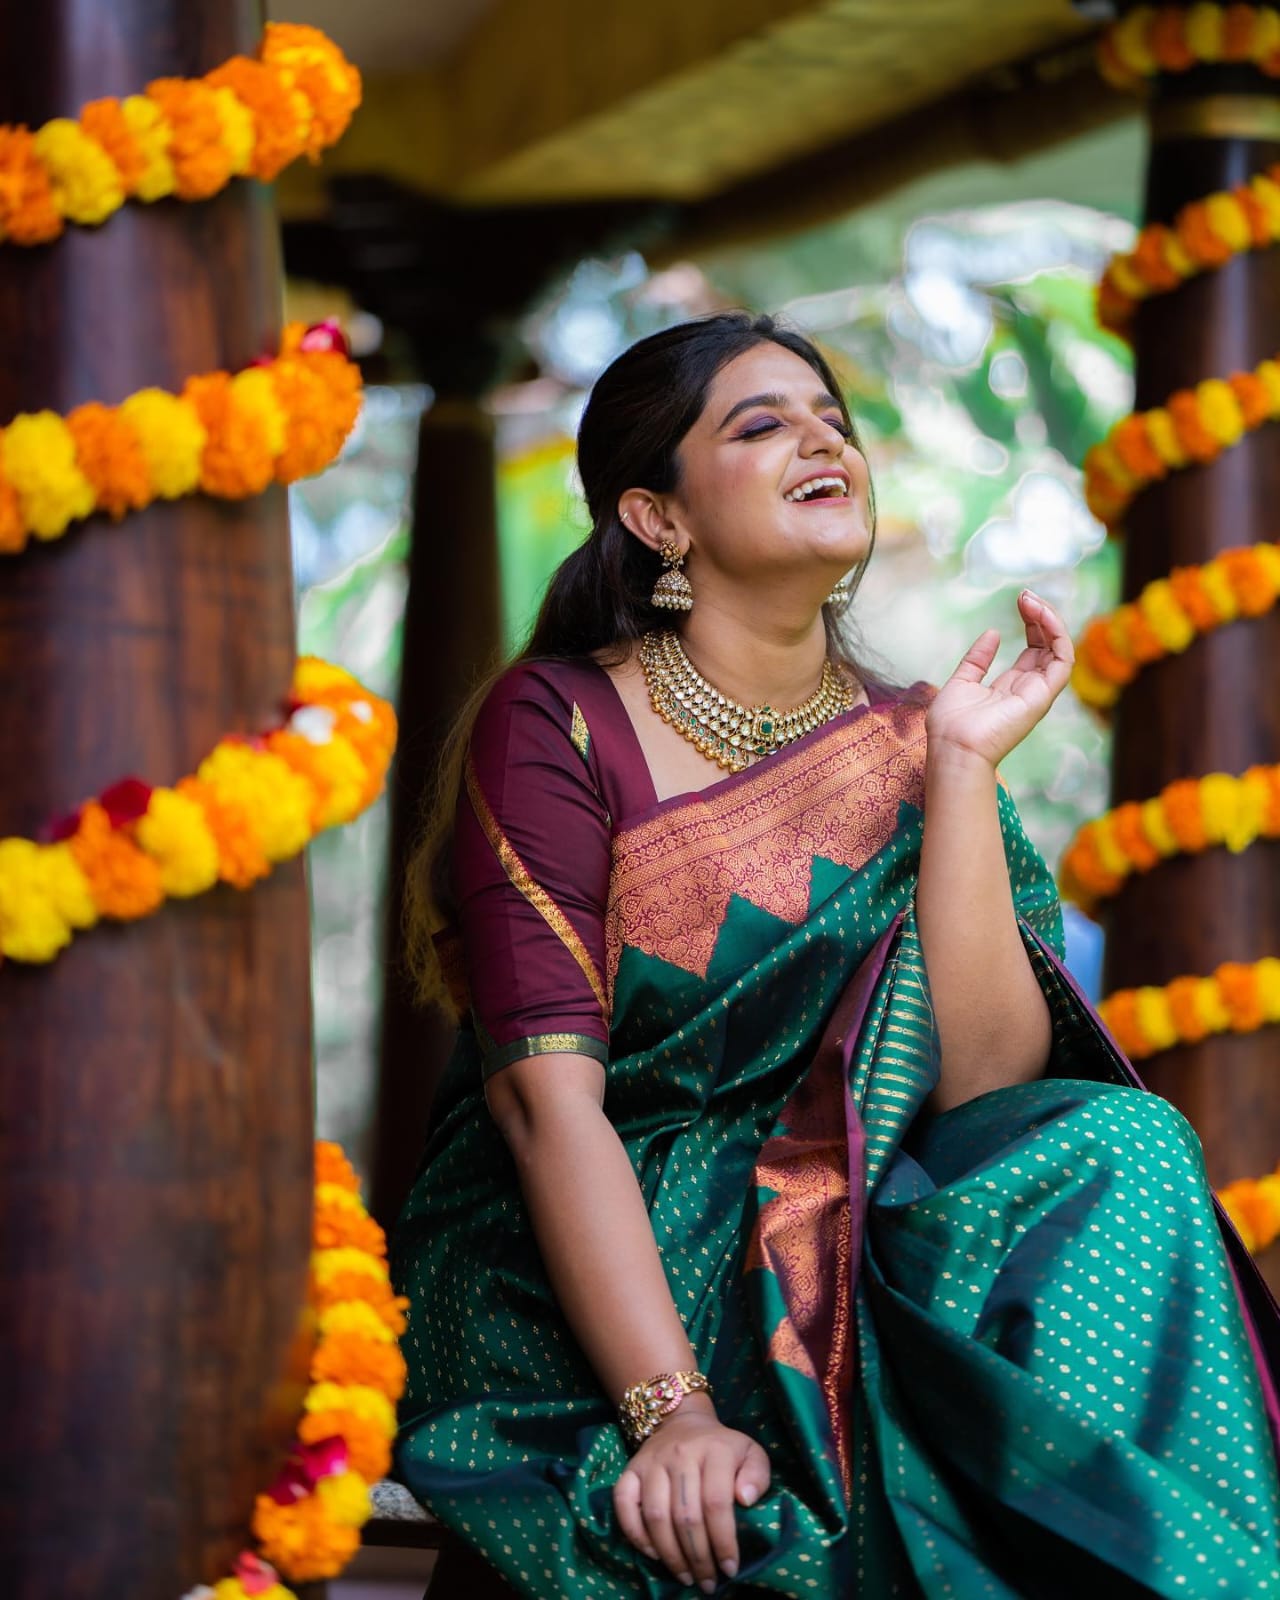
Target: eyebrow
[(779, 401)]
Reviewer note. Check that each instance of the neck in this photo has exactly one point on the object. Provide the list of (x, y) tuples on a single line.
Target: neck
[(756, 661)]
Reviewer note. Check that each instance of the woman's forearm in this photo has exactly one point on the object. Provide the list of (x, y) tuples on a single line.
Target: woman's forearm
[(992, 1019), (593, 1230)]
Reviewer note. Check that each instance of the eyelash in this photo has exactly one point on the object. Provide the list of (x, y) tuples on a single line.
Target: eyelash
[(841, 427)]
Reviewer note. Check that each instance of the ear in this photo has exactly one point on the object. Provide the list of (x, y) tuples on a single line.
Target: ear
[(642, 513)]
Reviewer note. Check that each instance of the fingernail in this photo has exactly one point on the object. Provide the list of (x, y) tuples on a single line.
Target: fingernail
[(685, 1578), (748, 1496), (708, 1586), (729, 1568)]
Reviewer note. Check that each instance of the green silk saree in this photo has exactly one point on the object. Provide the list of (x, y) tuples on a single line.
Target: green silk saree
[(999, 1352)]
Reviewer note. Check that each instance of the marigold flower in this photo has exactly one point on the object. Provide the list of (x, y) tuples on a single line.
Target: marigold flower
[(28, 211), (176, 835), (86, 182), (123, 880), (368, 1445), (38, 455), (302, 1539), (109, 454), (105, 123)]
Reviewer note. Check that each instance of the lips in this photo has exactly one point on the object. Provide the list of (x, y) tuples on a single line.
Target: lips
[(822, 486)]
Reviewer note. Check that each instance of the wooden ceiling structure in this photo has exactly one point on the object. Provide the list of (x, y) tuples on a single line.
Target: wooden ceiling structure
[(726, 119), (549, 102)]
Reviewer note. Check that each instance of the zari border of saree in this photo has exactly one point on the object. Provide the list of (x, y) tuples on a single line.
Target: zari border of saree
[(495, 1057), (533, 892), (756, 836)]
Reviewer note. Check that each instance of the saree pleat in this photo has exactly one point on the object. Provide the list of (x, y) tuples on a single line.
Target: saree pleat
[(997, 1352)]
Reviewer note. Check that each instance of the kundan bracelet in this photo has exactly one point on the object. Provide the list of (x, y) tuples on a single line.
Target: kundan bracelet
[(645, 1405), (183, 136)]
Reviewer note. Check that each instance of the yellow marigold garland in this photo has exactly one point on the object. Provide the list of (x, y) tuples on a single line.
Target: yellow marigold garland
[(307, 1524), (225, 435), (1193, 427), (1239, 997), (1164, 39), (1168, 614), (1253, 1204), (1204, 234), (250, 803), (183, 137), (1187, 816)]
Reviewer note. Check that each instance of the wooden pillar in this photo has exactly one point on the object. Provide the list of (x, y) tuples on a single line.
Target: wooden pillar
[(452, 635), (1215, 708), (155, 1144)]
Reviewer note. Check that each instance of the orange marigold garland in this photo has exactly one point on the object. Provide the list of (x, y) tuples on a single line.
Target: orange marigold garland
[(227, 435), (1169, 39), (1169, 614), (1253, 1204), (182, 136), (1193, 427), (251, 803), (1204, 234), (307, 1524), (1239, 997), (1187, 816)]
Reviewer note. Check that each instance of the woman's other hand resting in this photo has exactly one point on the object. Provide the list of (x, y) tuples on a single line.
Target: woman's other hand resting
[(677, 1499)]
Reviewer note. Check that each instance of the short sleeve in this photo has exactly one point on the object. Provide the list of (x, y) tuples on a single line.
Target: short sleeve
[(531, 876)]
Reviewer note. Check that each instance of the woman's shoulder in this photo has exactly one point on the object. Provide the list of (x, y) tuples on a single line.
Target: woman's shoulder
[(545, 703), (543, 682)]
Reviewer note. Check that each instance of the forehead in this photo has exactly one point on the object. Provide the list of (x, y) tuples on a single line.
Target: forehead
[(765, 368)]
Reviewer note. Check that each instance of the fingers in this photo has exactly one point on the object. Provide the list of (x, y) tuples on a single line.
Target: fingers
[(718, 1485), (626, 1505), (753, 1477), (656, 1507), (1045, 628), (978, 657), (691, 1530)]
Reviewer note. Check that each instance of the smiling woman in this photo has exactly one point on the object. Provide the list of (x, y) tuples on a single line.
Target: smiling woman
[(760, 1234)]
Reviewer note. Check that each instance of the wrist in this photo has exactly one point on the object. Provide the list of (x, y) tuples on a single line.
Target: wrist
[(647, 1406), (949, 761)]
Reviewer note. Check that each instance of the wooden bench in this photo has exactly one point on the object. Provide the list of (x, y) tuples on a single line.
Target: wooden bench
[(398, 1520)]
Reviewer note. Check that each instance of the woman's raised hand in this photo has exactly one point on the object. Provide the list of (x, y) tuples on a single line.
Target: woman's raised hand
[(677, 1498), (987, 720)]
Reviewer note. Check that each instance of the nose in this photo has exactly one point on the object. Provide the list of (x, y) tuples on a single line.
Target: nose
[(824, 438)]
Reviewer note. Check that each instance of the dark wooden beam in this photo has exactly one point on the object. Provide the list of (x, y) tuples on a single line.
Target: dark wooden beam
[(1215, 708), (155, 1146)]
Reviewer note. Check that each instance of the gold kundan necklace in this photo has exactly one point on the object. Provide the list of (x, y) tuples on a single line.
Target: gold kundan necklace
[(726, 732)]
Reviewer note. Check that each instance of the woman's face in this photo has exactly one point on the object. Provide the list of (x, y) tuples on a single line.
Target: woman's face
[(768, 429)]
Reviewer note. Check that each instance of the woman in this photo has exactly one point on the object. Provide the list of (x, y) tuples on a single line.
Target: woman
[(814, 1240)]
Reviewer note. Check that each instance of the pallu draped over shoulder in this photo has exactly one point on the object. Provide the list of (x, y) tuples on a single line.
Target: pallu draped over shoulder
[(1005, 1351)]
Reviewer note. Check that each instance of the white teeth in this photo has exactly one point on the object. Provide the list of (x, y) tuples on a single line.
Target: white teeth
[(811, 486)]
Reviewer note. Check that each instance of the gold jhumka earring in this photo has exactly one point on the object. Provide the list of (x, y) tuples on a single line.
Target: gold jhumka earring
[(841, 595), (673, 591)]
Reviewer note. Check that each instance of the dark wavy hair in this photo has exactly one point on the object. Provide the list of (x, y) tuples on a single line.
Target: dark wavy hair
[(597, 603)]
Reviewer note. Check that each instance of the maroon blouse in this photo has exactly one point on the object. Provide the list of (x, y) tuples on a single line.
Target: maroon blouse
[(554, 767), (554, 763)]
